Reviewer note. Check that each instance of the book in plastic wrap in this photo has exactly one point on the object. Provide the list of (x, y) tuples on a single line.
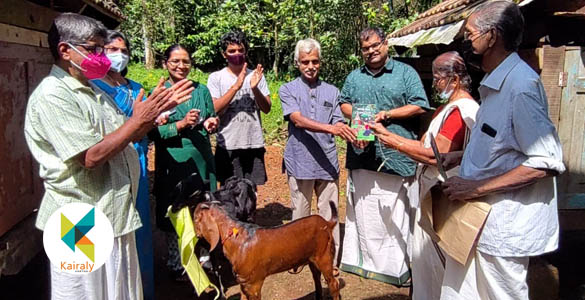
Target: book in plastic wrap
[(362, 117)]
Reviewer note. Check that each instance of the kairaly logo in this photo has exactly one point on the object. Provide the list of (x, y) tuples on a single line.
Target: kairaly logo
[(78, 238)]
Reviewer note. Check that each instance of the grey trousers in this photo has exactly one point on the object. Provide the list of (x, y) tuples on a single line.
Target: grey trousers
[(301, 194)]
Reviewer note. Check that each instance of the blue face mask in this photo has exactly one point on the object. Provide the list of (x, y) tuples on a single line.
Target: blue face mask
[(444, 95), (119, 61)]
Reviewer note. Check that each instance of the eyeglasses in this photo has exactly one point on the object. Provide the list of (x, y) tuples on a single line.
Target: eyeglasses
[(111, 49), (95, 49), (373, 47), (468, 35), (175, 62), (437, 79)]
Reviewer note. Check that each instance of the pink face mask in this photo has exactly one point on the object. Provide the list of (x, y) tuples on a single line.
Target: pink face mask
[(236, 59), (93, 66)]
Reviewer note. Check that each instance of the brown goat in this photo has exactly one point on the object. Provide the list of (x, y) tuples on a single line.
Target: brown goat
[(257, 252)]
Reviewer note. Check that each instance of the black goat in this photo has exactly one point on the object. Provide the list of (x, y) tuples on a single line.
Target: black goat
[(238, 198)]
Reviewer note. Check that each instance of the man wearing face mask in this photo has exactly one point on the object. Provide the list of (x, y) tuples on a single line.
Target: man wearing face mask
[(83, 144), (378, 207), (512, 156), (123, 91), (239, 94), (310, 157)]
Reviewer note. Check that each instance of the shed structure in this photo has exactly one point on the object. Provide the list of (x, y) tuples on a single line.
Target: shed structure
[(24, 60)]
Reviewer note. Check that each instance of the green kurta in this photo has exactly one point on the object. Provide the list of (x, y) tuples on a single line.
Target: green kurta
[(180, 154)]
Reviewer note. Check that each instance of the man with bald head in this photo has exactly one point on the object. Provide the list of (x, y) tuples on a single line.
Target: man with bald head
[(512, 156)]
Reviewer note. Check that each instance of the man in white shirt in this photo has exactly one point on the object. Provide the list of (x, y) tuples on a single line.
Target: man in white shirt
[(513, 152), (239, 94)]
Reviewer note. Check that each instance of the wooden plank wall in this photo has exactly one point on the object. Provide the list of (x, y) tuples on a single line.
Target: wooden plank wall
[(18, 35), (552, 66), (22, 67), (26, 14), (571, 128)]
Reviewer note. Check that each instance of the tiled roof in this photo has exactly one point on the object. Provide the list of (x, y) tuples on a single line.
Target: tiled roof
[(448, 11), (109, 6)]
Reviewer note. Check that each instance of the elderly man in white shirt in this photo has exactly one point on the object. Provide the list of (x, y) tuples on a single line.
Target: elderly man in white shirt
[(514, 151)]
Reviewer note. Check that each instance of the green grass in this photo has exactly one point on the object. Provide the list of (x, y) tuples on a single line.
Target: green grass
[(149, 78)]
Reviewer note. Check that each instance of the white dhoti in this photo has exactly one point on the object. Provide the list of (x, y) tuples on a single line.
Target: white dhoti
[(118, 279), (486, 277), (427, 258), (427, 265), (376, 227)]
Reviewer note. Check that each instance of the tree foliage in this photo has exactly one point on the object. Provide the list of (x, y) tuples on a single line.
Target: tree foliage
[(272, 26)]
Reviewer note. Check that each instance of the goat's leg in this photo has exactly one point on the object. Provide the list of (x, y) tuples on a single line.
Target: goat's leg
[(252, 290), (317, 278), (333, 285), (325, 265)]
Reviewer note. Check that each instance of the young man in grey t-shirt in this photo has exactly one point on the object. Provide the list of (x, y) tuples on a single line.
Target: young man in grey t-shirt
[(239, 94)]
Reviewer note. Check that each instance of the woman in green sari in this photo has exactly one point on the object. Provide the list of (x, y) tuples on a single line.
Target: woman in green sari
[(182, 147)]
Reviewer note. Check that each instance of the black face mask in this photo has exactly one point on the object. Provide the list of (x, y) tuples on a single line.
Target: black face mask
[(472, 59)]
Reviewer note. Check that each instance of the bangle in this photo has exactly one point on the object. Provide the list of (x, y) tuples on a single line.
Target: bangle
[(398, 147), (389, 114)]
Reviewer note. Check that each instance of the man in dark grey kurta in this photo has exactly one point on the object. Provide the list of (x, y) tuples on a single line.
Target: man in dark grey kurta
[(310, 158), (376, 227)]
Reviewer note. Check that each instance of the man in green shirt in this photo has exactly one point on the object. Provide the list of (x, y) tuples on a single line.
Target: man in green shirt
[(377, 224), (83, 144)]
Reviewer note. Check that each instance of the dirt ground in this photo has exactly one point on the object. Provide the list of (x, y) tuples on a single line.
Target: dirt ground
[(273, 208)]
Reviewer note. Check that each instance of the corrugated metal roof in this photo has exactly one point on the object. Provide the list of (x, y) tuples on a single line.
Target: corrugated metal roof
[(446, 12), (443, 34)]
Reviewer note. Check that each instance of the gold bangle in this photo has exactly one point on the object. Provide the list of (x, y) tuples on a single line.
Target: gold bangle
[(398, 147), (389, 114)]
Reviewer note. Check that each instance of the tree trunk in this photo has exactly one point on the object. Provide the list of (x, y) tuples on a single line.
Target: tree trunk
[(276, 52), (148, 53), (172, 30), (312, 26)]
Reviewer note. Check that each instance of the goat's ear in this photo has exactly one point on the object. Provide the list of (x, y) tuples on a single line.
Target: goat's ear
[(209, 229)]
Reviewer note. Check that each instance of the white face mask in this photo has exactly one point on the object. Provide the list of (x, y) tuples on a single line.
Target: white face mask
[(444, 95), (119, 61)]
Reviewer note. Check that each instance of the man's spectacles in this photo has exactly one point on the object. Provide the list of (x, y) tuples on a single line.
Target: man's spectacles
[(175, 62), (469, 35), (373, 47), (95, 49)]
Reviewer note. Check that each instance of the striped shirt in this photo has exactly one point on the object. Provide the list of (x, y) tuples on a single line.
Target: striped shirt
[(63, 119)]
